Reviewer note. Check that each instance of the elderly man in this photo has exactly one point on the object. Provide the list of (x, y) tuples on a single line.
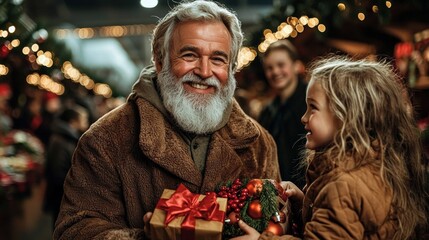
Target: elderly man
[(180, 124)]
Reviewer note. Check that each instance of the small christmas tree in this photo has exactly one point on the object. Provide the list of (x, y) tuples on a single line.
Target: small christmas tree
[(261, 203)]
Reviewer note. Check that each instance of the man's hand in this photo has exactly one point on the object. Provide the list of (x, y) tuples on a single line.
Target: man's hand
[(146, 219), (251, 233)]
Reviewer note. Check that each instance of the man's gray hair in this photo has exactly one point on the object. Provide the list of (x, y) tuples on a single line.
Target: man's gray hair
[(199, 10)]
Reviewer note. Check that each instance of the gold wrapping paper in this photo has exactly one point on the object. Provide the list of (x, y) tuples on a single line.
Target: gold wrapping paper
[(204, 230)]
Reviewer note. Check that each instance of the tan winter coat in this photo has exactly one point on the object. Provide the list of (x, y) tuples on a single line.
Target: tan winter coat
[(127, 158), (345, 204)]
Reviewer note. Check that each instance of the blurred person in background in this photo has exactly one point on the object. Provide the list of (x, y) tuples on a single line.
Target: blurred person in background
[(66, 131), (282, 117), (5, 119), (51, 105)]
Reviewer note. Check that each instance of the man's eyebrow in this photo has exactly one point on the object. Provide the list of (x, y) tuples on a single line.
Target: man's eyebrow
[(195, 49), (221, 53), (188, 48)]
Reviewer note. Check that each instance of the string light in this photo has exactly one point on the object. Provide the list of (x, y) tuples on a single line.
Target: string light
[(35, 47), (45, 82), (106, 31), (341, 6), (3, 70), (72, 73), (245, 56), (4, 34), (25, 50), (15, 43), (11, 29), (388, 4)]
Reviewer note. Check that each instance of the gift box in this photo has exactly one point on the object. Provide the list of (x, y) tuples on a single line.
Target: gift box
[(181, 214)]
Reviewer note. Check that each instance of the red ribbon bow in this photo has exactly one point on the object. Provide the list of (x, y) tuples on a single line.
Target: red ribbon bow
[(185, 203)]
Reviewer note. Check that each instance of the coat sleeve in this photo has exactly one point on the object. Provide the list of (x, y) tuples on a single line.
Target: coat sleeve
[(92, 205), (335, 213)]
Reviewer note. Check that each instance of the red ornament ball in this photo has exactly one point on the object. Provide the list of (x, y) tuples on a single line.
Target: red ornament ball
[(254, 187), (233, 217), (255, 209), (275, 228), (282, 217)]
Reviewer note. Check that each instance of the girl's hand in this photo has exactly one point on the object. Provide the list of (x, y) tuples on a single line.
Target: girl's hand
[(293, 192), (251, 233)]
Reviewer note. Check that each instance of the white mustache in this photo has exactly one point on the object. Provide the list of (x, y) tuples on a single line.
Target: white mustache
[(192, 78)]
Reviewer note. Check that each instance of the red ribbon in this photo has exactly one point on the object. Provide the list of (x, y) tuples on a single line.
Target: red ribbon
[(185, 203)]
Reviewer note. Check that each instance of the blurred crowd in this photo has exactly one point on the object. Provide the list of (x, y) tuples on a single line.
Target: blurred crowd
[(38, 133)]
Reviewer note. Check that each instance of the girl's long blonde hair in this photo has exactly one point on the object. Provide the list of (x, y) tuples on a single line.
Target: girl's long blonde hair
[(377, 119)]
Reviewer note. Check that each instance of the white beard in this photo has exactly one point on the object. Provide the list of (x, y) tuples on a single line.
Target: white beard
[(193, 112)]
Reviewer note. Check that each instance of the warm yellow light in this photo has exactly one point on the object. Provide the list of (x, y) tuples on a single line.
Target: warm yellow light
[(3, 70), (341, 6), (85, 33), (90, 84), (287, 29), (299, 28), (303, 20), (281, 26), (292, 20), (321, 27), (33, 79), (66, 66), (48, 54), (270, 37), (49, 63), (375, 9), (388, 4), (118, 31), (35, 47), (266, 31), (312, 22), (25, 50), (361, 16), (61, 33), (15, 42), (103, 89)]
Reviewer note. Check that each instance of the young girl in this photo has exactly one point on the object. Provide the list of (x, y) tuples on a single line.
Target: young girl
[(365, 178)]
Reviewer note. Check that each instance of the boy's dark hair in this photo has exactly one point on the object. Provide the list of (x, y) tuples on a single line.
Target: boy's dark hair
[(285, 45)]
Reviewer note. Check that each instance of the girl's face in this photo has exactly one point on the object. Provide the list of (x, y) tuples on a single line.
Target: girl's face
[(319, 121)]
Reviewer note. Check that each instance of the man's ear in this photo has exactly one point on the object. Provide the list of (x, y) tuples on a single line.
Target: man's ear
[(158, 65)]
